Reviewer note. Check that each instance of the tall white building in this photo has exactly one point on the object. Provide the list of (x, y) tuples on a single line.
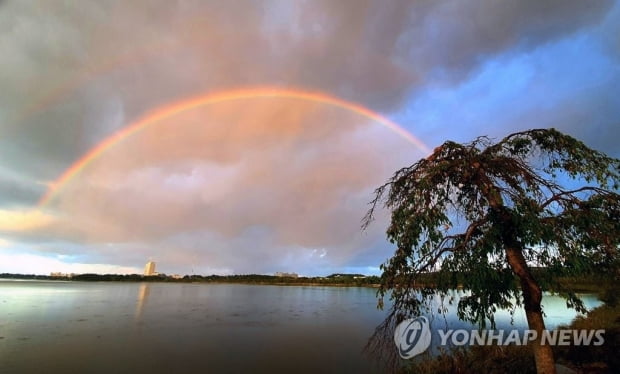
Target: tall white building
[(149, 269)]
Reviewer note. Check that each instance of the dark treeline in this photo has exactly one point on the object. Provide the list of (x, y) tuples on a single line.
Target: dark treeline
[(334, 279), (596, 284)]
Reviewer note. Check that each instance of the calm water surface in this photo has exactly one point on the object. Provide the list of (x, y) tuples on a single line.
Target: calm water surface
[(67, 327)]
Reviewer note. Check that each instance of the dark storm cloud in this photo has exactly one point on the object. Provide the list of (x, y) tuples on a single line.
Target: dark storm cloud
[(16, 191), (454, 37), (61, 65)]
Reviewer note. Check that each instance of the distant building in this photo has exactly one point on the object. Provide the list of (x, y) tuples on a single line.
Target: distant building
[(58, 274), (289, 275), (149, 269)]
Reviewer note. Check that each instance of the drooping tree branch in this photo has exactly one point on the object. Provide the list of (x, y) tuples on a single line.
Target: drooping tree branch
[(474, 214)]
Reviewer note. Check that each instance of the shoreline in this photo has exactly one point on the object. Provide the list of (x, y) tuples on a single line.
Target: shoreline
[(258, 280)]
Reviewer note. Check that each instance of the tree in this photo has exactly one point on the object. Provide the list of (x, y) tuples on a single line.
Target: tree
[(483, 215)]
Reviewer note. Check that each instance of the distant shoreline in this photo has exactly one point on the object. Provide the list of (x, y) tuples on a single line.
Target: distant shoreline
[(308, 284), (334, 280)]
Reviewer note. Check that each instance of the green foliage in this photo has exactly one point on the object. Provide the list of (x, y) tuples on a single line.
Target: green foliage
[(458, 211)]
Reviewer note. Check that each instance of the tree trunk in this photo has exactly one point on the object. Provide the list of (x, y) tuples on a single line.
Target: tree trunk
[(532, 296)]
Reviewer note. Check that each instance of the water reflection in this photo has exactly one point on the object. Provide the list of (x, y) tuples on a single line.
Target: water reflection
[(227, 328), (554, 307), (143, 295)]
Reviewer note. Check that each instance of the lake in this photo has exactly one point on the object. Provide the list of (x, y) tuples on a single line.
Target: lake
[(109, 327)]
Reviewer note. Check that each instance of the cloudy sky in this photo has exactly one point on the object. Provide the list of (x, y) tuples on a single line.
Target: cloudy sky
[(301, 109)]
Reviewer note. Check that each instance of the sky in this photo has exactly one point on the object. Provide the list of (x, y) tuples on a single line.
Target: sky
[(236, 137)]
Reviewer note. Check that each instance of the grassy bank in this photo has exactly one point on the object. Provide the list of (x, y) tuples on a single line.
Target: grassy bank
[(593, 359)]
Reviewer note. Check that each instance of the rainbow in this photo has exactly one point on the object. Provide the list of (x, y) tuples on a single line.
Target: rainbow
[(209, 99)]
